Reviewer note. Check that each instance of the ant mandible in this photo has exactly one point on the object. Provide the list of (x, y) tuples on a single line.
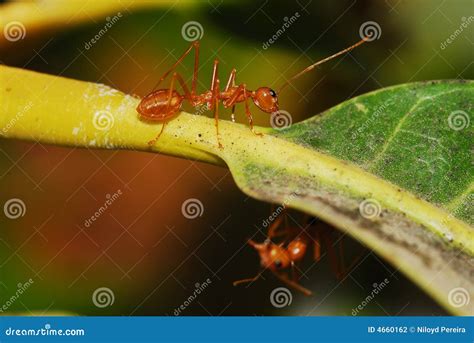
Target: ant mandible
[(163, 104), (282, 259)]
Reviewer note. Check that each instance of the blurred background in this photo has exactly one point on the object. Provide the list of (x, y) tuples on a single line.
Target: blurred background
[(142, 250)]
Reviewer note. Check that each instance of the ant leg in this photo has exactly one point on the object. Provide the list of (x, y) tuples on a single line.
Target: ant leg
[(154, 140), (232, 115), (355, 262), (272, 229), (215, 99), (331, 252), (194, 45), (216, 119), (247, 111), (187, 94), (295, 272), (231, 81), (249, 280), (317, 246), (170, 96), (293, 284)]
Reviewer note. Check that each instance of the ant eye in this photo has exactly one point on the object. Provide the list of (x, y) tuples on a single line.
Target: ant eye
[(278, 263), (272, 93)]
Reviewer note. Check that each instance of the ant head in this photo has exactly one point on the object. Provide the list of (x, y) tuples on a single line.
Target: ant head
[(266, 99), (272, 256)]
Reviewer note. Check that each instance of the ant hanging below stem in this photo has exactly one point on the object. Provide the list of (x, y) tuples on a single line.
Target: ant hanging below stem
[(163, 104), (283, 259)]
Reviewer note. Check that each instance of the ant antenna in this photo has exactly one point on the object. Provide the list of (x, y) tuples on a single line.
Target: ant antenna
[(312, 66)]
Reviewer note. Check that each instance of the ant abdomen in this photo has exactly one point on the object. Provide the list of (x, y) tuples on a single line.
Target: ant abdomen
[(158, 106)]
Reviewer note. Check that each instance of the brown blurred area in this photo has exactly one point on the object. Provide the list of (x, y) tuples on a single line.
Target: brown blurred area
[(142, 247)]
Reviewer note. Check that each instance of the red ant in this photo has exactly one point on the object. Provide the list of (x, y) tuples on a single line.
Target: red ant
[(163, 104), (284, 257)]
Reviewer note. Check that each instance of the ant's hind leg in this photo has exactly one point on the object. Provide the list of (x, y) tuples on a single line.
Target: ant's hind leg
[(170, 96), (154, 140), (194, 45)]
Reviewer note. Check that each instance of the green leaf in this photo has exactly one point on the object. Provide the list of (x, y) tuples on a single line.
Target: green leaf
[(392, 168)]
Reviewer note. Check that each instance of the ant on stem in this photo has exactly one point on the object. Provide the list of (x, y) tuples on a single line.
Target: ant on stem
[(283, 258), (163, 104)]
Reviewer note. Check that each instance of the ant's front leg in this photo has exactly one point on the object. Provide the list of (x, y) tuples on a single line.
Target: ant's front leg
[(247, 112), (242, 91), (293, 284), (295, 272), (274, 226), (249, 280)]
